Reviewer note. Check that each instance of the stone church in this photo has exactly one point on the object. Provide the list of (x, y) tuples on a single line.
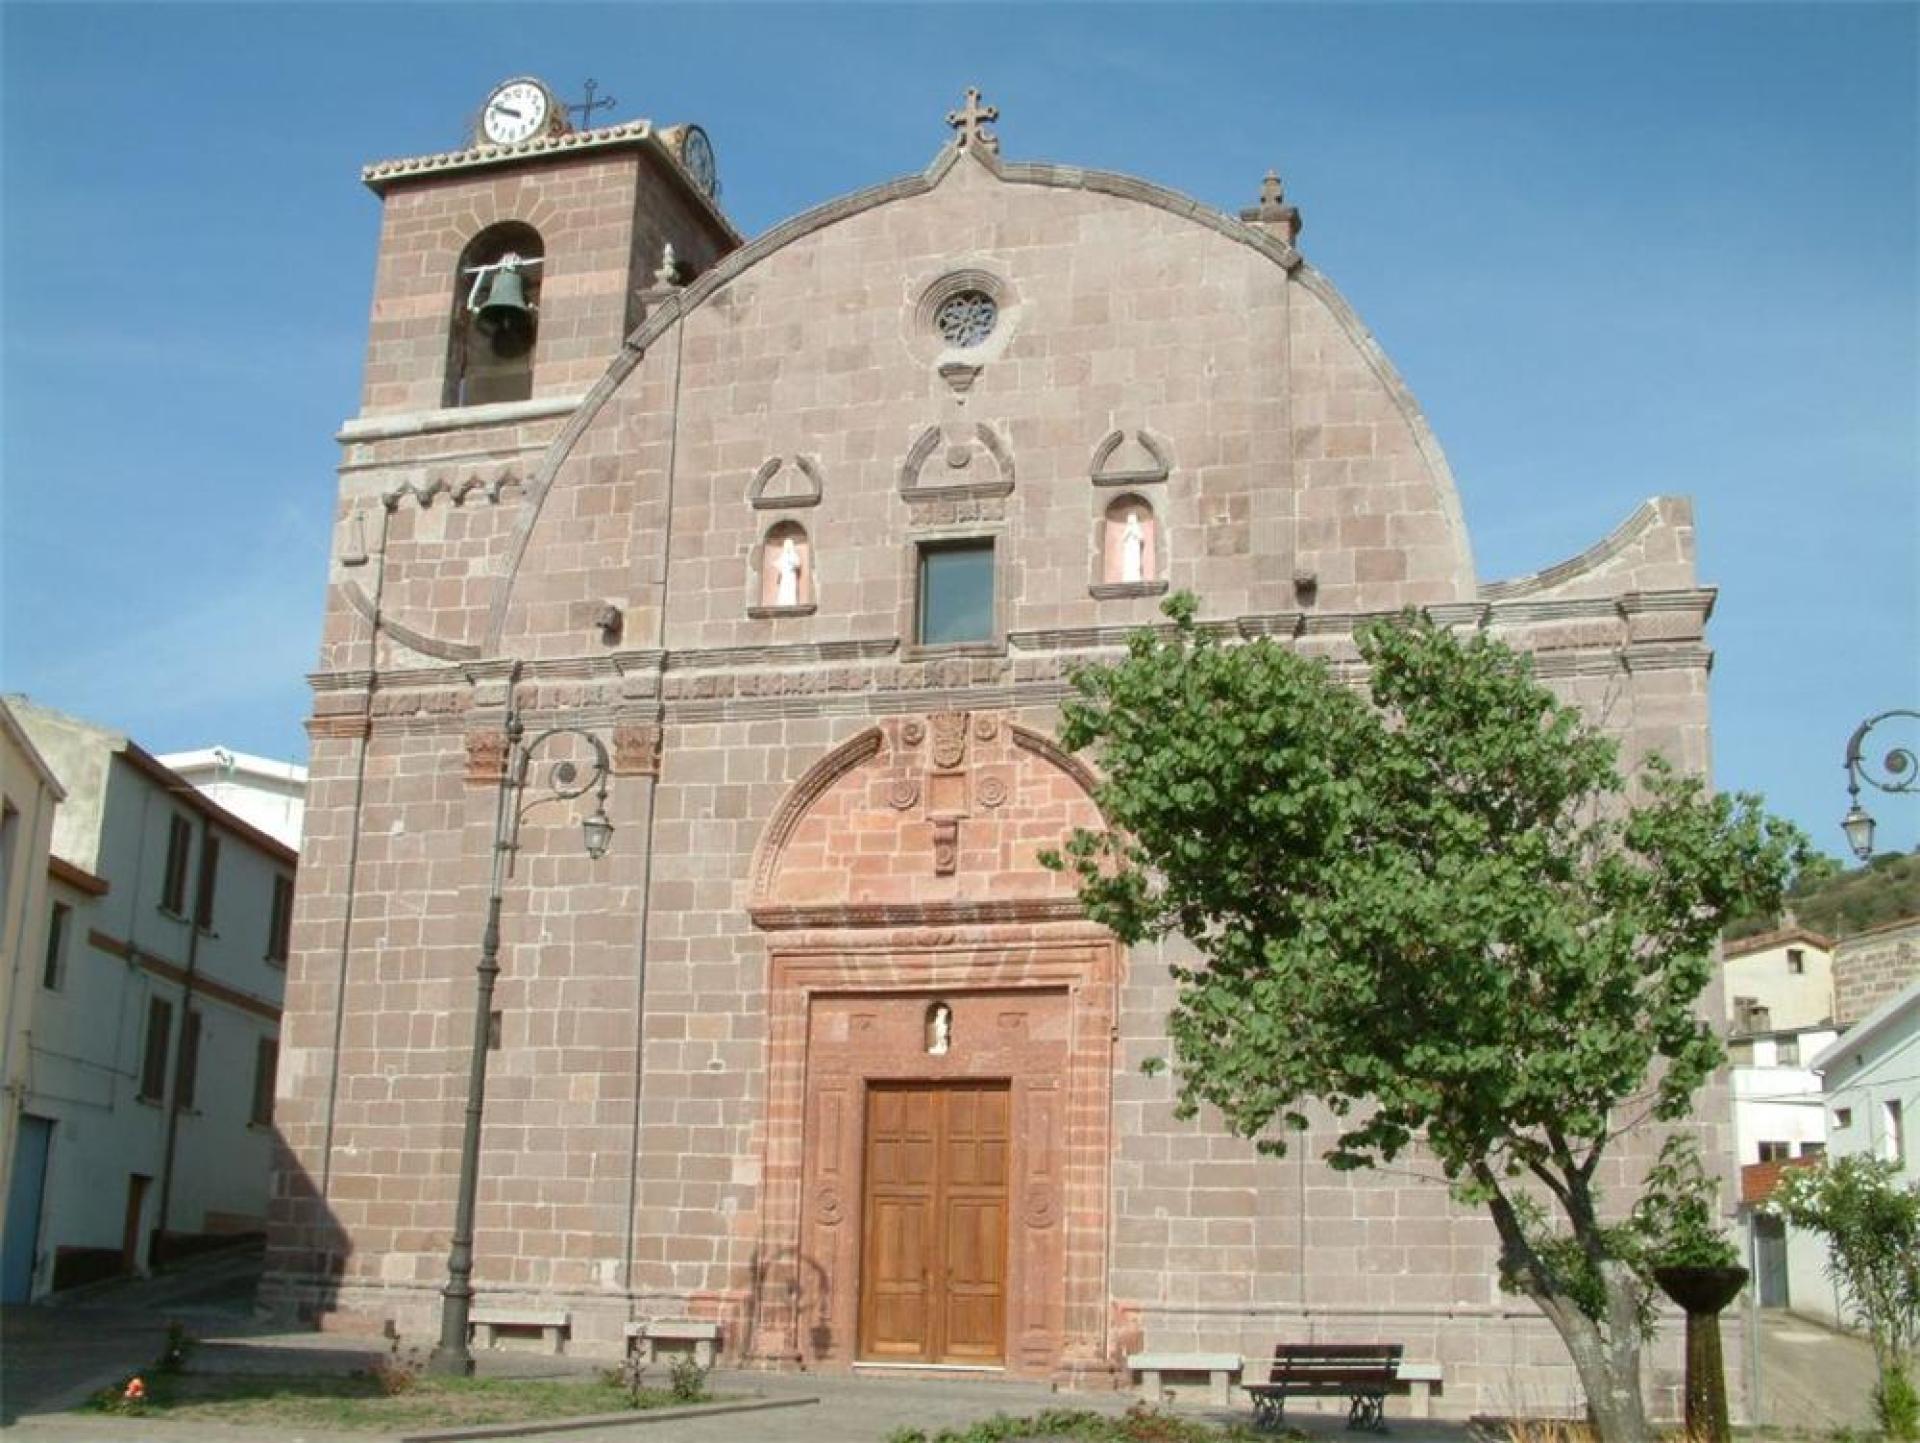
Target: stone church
[(805, 533)]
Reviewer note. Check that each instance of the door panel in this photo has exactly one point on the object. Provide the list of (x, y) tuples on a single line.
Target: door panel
[(24, 1196), (935, 1248)]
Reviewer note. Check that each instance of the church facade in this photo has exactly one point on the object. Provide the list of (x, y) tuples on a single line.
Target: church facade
[(807, 533)]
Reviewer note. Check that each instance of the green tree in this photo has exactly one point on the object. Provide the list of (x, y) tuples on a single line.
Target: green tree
[(1872, 1228), (1442, 915)]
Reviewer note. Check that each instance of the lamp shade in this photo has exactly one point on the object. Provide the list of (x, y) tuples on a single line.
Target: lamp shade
[(1858, 826), (598, 831)]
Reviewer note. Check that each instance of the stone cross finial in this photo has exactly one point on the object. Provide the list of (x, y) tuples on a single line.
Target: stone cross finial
[(1273, 210), (971, 123)]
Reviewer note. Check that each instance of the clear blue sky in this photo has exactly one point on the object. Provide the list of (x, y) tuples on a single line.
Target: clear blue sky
[(1615, 250)]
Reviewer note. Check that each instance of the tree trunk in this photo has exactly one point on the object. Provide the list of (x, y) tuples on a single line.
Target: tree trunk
[(1607, 1358), (1608, 1361)]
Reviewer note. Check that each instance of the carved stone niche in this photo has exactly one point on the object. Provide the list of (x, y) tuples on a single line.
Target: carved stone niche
[(968, 463), (783, 573), (1130, 550)]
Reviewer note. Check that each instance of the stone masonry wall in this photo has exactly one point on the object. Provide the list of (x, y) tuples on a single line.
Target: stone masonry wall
[(1871, 967)]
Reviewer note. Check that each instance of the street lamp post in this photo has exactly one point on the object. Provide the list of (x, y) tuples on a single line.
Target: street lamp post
[(1901, 775), (563, 782)]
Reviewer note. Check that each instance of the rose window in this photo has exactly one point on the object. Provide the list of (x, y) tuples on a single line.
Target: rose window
[(966, 319)]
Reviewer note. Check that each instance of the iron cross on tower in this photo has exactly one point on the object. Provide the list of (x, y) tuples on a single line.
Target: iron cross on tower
[(971, 123), (589, 105)]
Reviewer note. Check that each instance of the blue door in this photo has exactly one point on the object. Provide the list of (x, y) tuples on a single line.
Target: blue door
[(23, 1207)]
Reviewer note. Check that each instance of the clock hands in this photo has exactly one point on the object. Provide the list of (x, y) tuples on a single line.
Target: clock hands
[(505, 109)]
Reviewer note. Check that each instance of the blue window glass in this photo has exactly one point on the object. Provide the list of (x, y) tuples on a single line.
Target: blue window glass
[(956, 593)]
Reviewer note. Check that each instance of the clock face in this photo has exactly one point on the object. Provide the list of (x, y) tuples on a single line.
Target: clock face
[(696, 152), (515, 111)]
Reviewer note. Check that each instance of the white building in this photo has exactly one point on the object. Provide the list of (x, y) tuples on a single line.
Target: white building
[(1872, 1076), (1779, 990), (29, 795), (151, 1022), (271, 795), (1868, 1081), (1780, 980)]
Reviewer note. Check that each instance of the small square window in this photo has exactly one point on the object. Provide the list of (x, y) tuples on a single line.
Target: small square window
[(1775, 1151), (1842, 1117), (956, 593)]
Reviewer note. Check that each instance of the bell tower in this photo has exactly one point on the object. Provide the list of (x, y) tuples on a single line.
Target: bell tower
[(510, 270)]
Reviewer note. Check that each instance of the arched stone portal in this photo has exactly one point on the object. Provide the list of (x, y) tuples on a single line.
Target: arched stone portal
[(941, 1059)]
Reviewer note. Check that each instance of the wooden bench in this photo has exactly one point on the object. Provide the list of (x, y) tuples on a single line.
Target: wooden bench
[(487, 1323), (1222, 1370), (704, 1337), (1359, 1372)]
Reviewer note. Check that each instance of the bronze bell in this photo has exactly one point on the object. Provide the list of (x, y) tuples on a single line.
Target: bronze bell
[(504, 317)]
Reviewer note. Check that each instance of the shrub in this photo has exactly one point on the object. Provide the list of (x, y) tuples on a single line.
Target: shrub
[(687, 1380)]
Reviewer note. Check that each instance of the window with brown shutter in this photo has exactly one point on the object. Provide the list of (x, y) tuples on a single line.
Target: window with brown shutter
[(153, 1065), (209, 875), (280, 920), (173, 882), (189, 1060), (266, 1061)]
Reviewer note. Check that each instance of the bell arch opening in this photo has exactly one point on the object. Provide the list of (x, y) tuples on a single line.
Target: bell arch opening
[(494, 322)]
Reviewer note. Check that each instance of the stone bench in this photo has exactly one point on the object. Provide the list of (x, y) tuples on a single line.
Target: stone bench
[(1421, 1380), (705, 1338), (487, 1322), (1222, 1370)]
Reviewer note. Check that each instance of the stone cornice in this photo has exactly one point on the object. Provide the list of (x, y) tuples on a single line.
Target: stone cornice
[(1019, 910), (637, 135), (360, 430), (872, 676)]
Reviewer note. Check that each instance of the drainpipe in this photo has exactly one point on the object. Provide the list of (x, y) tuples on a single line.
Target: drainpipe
[(157, 1254), (652, 781), (353, 868)]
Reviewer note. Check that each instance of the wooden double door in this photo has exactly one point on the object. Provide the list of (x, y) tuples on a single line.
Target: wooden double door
[(934, 1245)]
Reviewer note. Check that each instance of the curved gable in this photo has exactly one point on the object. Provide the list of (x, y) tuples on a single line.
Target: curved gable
[(1131, 306)]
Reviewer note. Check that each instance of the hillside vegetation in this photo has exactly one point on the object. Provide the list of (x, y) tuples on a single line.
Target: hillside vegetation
[(1838, 903)]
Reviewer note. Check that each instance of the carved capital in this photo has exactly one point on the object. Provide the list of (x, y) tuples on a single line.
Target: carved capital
[(636, 749), (486, 756)]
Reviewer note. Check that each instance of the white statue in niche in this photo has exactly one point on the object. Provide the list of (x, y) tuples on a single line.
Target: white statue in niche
[(940, 1030), (786, 566), (1133, 549)]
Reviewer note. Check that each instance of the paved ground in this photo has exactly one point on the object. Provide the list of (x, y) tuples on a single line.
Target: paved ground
[(52, 1356), (1811, 1377)]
